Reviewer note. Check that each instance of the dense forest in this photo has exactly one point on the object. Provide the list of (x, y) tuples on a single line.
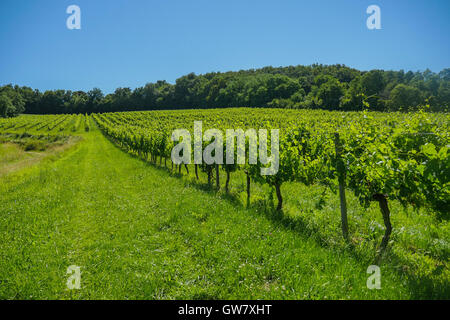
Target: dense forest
[(334, 87)]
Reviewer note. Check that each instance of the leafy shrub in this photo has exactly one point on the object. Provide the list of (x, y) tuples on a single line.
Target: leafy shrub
[(34, 145)]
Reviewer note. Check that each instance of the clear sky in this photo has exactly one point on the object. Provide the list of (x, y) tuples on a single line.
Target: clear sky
[(127, 43)]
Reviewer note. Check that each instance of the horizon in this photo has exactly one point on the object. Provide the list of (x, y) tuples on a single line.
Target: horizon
[(127, 45), (218, 72)]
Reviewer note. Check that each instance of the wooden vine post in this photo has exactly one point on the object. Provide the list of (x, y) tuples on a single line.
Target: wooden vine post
[(228, 181), (217, 177), (382, 201), (279, 196), (248, 188), (209, 171)]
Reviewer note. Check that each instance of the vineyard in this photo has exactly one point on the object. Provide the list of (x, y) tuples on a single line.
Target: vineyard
[(378, 157), (375, 184), (49, 124)]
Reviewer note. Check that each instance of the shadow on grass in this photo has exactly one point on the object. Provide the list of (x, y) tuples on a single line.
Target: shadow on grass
[(421, 287)]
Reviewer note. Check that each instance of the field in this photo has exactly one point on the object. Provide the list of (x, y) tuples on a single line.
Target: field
[(104, 195)]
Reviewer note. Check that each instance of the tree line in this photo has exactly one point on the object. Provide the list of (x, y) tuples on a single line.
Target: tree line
[(330, 87)]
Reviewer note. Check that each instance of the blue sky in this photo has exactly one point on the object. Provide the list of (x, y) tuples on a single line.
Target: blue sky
[(127, 43)]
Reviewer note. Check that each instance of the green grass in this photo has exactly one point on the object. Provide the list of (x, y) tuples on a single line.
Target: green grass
[(10, 152), (140, 232), (19, 151)]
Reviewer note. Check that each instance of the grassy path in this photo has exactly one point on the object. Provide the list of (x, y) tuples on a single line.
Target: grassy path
[(139, 233)]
